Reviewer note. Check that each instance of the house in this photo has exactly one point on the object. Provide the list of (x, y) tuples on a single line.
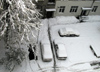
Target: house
[(52, 8)]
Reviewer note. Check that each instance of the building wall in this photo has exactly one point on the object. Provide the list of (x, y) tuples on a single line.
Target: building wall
[(68, 5), (43, 4), (96, 3)]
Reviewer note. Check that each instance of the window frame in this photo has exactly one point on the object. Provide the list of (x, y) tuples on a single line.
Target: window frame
[(62, 9), (73, 9), (51, 1), (94, 8)]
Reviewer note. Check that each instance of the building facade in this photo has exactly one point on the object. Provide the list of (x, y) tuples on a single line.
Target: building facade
[(52, 8)]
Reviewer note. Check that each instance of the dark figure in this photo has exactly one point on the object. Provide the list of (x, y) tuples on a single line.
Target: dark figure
[(31, 53)]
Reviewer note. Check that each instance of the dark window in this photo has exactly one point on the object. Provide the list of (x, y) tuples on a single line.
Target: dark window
[(51, 0), (94, 8), (62, 9), (73, 8)]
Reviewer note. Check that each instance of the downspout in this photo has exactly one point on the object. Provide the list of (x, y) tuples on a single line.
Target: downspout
[(91, 5), (52, 46)]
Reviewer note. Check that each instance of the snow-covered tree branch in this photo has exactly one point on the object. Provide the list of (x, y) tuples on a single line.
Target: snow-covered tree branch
[(19, 22)]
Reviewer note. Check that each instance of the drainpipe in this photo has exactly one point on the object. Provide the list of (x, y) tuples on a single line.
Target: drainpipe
[(52, 46), (91, 5)]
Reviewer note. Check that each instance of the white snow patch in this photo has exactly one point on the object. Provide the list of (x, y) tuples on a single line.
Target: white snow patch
[(84, 8), (77, 48), (93, 18), (43, 38), (66, 19), (50, 9)]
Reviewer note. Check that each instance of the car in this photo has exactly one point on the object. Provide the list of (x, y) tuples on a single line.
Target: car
[(46, 52), (60, 51), (96, 50), (68, 32)]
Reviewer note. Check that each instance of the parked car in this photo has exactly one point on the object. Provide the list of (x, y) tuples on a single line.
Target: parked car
[(96, 50), (60, 51), (46, 52), (68, 32)]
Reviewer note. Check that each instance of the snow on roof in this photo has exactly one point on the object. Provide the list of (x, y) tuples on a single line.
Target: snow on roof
[(86, 8), (50, 9)]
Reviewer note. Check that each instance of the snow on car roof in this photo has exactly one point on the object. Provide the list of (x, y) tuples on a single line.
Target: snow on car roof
[(65, 30), (47, 51), (61, 46), (56, 41), (61, 50), (96, 49)]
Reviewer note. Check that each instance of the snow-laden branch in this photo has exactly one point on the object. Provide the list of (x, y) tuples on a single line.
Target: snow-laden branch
[(19, 23)]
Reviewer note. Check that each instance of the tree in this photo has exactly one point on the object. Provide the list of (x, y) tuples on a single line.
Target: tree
[(19, 23)]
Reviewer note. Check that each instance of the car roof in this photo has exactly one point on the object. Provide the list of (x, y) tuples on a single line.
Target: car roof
[(61, 46), (47, 50)]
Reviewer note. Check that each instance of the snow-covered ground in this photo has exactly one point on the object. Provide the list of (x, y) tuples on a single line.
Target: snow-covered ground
[(78, 48)]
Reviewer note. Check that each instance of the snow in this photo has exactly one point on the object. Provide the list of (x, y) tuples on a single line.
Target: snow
[(84, 8), (46, 52), (79, 54), (77, 48), (93, 18), (80, 67), (66, 19), (61, 51), (68, 31), (96, 49), (50, 9), (43, 33), (43, 38)]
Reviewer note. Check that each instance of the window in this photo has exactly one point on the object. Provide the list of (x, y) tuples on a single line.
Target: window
[(61, 9), (51, 0), (73, 8), (94, 8)]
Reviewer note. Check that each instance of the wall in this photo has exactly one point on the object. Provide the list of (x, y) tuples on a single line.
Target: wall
[(68, 5), (97, 3)]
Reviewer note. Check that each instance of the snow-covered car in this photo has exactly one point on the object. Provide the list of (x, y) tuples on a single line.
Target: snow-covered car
[(68, 32), (96, 50), (60, 51), (46, 52)]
